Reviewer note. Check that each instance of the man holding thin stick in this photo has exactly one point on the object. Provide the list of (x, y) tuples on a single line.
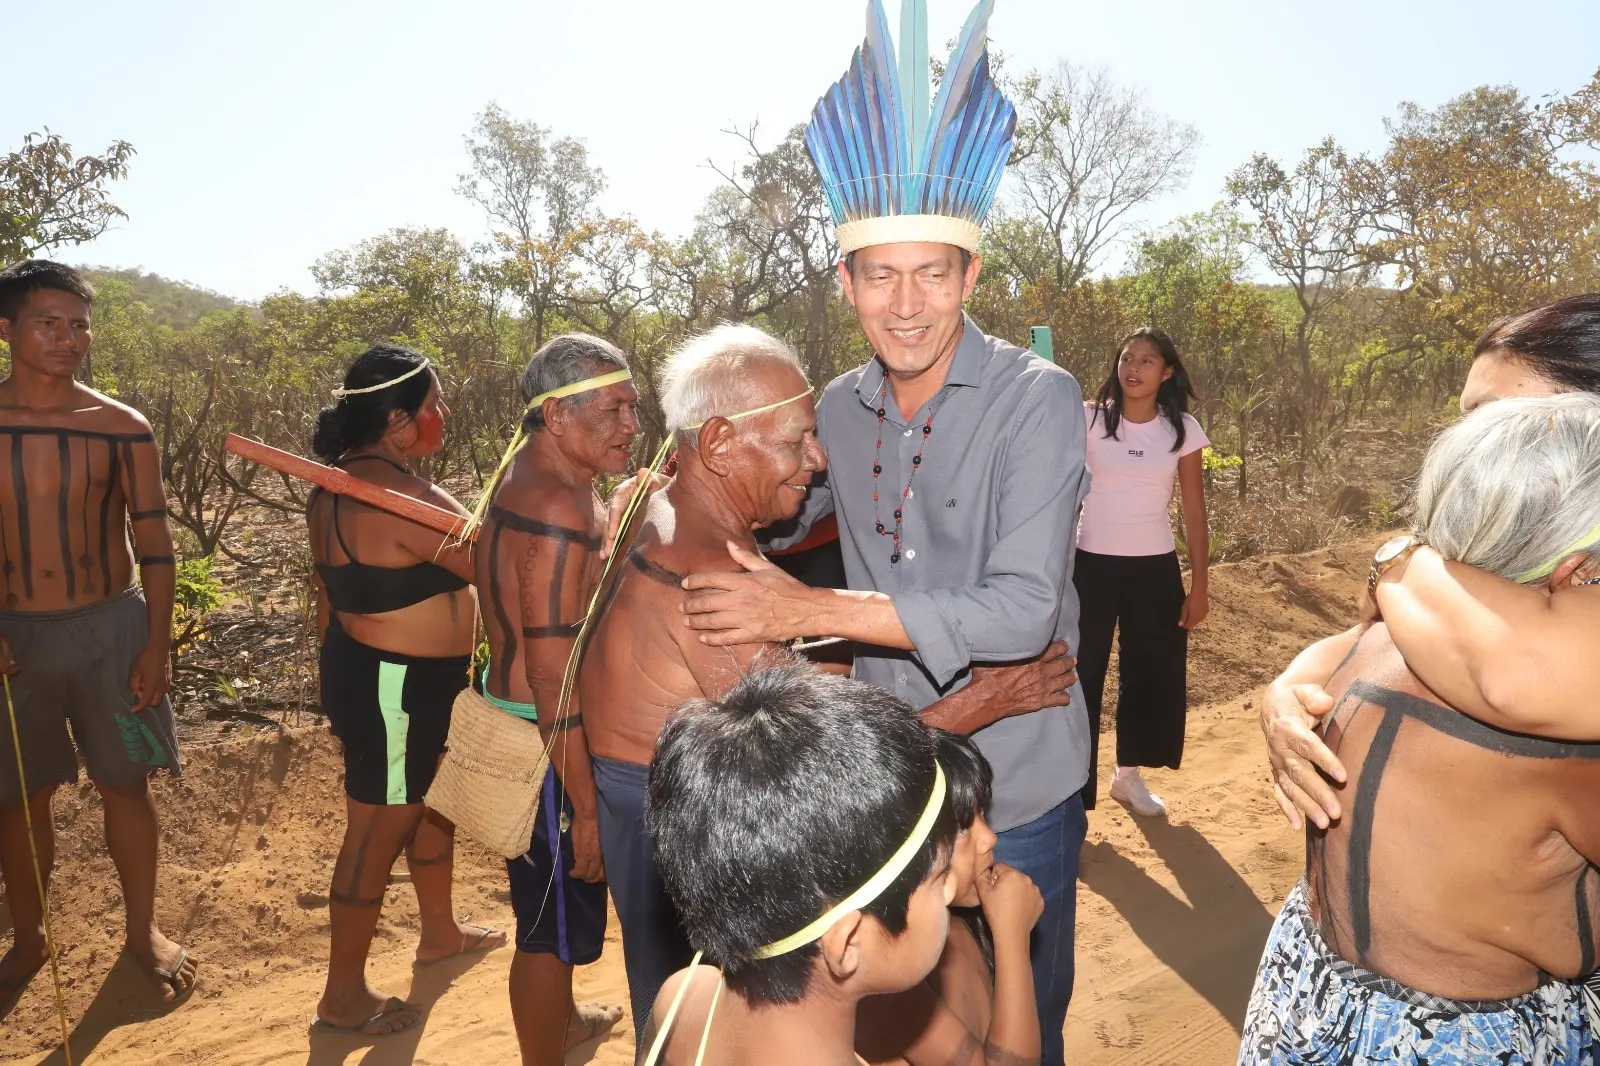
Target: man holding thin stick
[(81, 641)]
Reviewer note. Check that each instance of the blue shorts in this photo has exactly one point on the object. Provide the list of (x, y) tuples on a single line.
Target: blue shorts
[(556, 913), (1310, 1007)]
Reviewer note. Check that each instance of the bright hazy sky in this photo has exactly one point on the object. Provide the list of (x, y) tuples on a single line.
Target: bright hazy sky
[(269, 134)]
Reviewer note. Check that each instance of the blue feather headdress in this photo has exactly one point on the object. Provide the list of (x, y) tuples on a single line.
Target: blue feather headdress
[(895, 170)]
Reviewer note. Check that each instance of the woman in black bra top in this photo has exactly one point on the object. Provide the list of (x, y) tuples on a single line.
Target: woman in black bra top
[(397, 615)]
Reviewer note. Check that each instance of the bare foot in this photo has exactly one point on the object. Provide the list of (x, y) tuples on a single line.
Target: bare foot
[(588, 1021), (26, 957), (170, 968), (369, 1014), (464, 940)]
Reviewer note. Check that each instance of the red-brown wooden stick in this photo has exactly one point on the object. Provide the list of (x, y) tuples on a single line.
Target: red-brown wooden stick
[(332, 479)]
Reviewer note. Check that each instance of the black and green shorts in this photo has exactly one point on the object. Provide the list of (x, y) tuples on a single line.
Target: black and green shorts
[(392, 714)]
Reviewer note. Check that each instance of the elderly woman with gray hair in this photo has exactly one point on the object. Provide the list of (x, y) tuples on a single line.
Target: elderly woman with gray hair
[(1447, 916)]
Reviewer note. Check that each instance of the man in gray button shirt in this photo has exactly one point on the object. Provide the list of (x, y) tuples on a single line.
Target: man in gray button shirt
[(956, 460), (974, 449)]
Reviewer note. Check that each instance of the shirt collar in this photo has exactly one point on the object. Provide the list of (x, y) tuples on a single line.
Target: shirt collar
[(966, 367)]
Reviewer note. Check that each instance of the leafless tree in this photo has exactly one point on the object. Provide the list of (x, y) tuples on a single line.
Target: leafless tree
[(1089, 156)]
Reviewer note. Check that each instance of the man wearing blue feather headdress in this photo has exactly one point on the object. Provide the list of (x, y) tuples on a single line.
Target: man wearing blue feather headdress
[(957, 462)]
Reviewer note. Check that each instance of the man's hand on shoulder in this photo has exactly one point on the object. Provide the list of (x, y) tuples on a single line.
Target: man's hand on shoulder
[(760, 604)]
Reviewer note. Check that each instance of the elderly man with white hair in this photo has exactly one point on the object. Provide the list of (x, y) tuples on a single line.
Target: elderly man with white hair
[(1448, 915), (745, 427)]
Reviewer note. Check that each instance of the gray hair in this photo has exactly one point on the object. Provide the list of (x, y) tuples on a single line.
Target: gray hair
[(710, 374), (1513, 486), (563, 360)]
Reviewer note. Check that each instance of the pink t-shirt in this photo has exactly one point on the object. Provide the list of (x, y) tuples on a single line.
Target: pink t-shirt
[(1130, 484)]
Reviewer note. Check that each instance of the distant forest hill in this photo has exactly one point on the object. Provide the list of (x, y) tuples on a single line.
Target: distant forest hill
[(175, 304)]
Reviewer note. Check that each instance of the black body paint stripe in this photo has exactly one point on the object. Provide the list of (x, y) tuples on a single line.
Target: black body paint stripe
[(539, 632), (87, 434), (88, 483), (1457, 725), (1358, 876), (524, 524), (503, 663), (571, 721), (654, 571), (157, 560), (133, 478), (1585, 927), (1330, 930), (139, 516), (69, 568), (557, 579), (114, 457), (19, 485)]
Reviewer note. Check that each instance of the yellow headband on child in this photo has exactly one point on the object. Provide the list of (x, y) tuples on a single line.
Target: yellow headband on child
[(586, 385), (1544, 570), (752, 412), (880, 881)]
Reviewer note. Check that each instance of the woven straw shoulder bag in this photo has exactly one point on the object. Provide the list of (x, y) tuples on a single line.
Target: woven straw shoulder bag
[(488, 783)]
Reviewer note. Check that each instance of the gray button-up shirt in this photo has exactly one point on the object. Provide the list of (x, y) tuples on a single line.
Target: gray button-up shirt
[(989, 532)]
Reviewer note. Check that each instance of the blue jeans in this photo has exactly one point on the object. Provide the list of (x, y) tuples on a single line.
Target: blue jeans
[(1047, 850)]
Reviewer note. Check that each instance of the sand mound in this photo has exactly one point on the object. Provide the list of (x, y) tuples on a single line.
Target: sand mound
[(1171, 918)]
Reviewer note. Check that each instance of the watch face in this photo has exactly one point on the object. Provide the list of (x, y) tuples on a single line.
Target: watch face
[(1392, 549)]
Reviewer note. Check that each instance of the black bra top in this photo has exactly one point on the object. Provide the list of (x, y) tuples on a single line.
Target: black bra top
[(360, 588)]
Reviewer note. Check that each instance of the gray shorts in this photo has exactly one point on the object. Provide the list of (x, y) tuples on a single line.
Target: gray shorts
[(73, 667)]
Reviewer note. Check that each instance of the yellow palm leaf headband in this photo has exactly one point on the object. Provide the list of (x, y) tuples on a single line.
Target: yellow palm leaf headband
[(615, 377), (879, 882), (1544, 570)]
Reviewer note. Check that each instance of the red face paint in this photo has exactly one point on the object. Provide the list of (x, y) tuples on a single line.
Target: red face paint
[(430, 429)]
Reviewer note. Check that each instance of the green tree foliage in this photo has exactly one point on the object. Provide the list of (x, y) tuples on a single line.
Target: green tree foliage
[(1316, 293), (50, 198)]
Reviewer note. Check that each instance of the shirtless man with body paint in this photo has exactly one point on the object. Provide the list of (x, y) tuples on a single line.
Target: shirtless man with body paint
[(81, 641), (538, 560)]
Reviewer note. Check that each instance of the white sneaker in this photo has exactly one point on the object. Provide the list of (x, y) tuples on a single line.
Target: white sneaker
[(1129, 789)]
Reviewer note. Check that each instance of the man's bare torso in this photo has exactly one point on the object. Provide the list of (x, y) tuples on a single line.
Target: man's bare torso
[(1462, 866), (65, 481), (643, 662), (535, 516)]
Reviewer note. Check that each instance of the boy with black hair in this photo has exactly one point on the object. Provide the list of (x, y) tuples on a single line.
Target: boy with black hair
[(81, 641), (798, 794)]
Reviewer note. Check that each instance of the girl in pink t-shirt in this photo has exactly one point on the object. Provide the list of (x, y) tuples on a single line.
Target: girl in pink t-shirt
[(1140, 436)]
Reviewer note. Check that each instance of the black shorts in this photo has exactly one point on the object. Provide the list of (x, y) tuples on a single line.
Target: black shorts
[(392, 714), (556, 913)]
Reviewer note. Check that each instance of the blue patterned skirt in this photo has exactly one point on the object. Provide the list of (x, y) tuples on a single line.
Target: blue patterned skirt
[(1312, 1008)]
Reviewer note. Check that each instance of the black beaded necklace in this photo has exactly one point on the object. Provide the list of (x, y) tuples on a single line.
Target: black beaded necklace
[(877, 468)]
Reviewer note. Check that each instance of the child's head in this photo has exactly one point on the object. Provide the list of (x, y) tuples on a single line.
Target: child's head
[(971, 789), (772, 805)]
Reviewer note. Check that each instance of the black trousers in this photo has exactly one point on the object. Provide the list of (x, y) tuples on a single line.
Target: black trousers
[(1139, 597)]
